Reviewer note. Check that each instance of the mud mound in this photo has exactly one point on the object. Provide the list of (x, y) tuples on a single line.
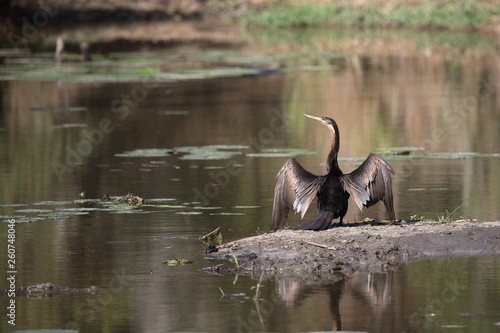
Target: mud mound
[(373, 247)]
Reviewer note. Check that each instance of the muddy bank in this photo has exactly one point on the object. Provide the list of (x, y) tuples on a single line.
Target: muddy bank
[(369, 246)]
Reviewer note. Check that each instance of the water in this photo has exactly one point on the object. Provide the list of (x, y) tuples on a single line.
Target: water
[(59, 138)]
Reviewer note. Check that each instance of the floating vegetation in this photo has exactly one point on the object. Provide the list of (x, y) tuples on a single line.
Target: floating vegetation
[(452, 155), (127, 204), (246, 207), (398, 150), (69, 125), (63, 215), (21, 219), (79, 209), (127, 211), (213, 238), (33, 210), (228, 213), (153, 152), (214, 167), (177, 262), (13, 205), (159, 200), (405, 154), (131, 199), (173, 113), (47, 331), (86, 201), (52, 203), (212, 152), (206, 207), (164, 206), (61, 109), (189, 213), (283, 152)]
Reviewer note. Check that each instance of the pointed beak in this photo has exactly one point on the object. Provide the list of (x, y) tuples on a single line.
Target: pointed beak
[(315, 118)]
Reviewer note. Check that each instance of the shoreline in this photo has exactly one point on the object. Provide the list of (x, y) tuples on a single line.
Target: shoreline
[(469, 16), (369, 246)]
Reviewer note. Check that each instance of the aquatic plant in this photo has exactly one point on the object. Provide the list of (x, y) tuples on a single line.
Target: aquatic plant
[(257, 288)]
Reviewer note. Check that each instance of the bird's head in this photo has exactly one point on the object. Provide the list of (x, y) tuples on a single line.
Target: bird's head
[(324, 120), (332, 126)]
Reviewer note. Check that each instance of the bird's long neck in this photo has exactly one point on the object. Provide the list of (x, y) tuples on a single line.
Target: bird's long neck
[(331, 162)]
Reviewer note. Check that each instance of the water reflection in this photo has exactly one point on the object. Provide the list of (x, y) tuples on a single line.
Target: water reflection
[(417, 297), (445, 104)]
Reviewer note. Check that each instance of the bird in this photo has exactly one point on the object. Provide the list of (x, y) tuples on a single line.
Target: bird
[(295, 187)]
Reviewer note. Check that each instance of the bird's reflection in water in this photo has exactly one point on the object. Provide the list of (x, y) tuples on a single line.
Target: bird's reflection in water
[(368, 294)]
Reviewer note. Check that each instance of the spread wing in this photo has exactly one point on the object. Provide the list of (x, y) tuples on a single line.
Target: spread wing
[(370, 183), (295, 188)]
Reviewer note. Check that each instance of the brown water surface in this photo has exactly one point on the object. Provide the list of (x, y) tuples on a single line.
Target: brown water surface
[(59, 137)]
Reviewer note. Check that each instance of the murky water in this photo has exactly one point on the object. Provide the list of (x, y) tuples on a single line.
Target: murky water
[(61, 137)]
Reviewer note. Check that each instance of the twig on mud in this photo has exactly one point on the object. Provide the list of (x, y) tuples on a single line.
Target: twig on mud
[(321, 245)]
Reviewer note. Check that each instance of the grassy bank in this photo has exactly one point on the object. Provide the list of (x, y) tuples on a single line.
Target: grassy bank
[(452, 15)]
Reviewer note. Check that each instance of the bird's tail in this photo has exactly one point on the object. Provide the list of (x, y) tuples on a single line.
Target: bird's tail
[(319, 222)]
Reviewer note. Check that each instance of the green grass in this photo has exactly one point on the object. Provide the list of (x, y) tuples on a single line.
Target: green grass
[(448, 217), (453, 15)]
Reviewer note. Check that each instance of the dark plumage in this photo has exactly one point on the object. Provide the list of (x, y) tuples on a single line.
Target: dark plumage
[(296, 187)]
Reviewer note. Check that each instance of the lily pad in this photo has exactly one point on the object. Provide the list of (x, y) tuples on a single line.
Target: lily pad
[(153, 152), (213, 152), (164, 206), (23, 219), (52, 203), (127, 211), (214, 167), (79, 209), (247, 207), (159, 200), (86, 201), (35, 211), (206, 207), (189, 213), (177, 262)]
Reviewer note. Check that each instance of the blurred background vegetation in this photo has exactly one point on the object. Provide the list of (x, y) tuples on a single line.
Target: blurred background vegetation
[(424, 14)]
